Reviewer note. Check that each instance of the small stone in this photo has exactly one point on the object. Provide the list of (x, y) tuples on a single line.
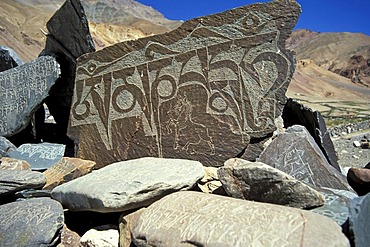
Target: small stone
[(40, 156), (6, 147), (256, 181), (12, 181), (68, 238), (359, 179), (33, 222), (14, 164), (107, 236), (359, 221), (31, 193), (190, 218), (210, 182), (355, 157), (356, 144), (128, 184), (8, 58)]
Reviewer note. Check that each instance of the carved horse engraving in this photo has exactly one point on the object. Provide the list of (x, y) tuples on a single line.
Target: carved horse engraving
[(185, 126)]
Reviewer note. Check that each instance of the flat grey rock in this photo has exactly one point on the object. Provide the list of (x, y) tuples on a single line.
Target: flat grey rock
[(34, 222), (359, 221), (256, 181), (40, 156), (197, 219), (128, 184), (12, 181), (22, 91), (296, 153), (336, 205)]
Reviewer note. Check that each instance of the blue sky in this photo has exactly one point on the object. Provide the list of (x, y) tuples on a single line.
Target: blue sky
[(317, 15)]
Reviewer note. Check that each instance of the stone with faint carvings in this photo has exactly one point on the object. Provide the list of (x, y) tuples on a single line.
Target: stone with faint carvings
[(359, 221), (34, 222), (126, 224), (22, 91), (256, 181), (296, 153), (40, 156), (8, 58), (66, 170), (12, 181), (199, 219), (7, 163), (204, 91), (128, 184)]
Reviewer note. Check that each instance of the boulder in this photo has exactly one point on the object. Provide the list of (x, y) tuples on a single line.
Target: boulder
[(128, 184), (336, 204), (66, 170), (34, 222), (359, 179), (107, 236), (296, 153), (12, 181), (207, 91), (22, 91), (359, 222), (40, 156), (8, 58), (256, 181), (68, 38), (199, 219), (295, 113), (14, 164), (6, 147)]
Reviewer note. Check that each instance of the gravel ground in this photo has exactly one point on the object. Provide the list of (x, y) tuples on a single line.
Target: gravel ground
[(348, 154)]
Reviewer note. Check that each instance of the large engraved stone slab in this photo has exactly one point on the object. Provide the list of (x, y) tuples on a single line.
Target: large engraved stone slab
[(128, 184), (296, 153), (40, 156), (22, 90), (198, 219), (33, 222), (202, 91)]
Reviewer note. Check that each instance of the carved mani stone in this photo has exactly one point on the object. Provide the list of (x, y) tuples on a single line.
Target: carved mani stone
[(22, 90), (202, 91), (199, 219)]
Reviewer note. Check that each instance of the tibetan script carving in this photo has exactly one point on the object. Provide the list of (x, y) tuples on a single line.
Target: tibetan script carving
[(201, 91), (22, 90)]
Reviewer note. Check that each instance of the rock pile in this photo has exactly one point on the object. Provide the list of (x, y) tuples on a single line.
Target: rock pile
[(172, 135)]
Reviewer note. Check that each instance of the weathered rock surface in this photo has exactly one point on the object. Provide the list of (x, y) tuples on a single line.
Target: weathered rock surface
[(107, 236), (210, 183), (32, 193), (66, 170), (205, 91), (359, 179), (68, 238), (6, 147), (296, 153), (68, 38), (8, 58), (199, 219), (22, 91), (126, 223), (14, 164), (336, 205), (40, 156), (34, 222), (295, 113), (256, 181), (12, 181), (359, 222), (128, 184)]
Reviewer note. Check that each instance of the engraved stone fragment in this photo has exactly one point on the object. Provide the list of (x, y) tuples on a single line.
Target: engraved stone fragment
[(201, 92), (359, 221), (12, 181), (256, 181), (128, 184), (66, 170), (7, 163), (40, 156), (8, 58), (198, 219), (33, 222), (22, 90), (296, 153), (295, 113)]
